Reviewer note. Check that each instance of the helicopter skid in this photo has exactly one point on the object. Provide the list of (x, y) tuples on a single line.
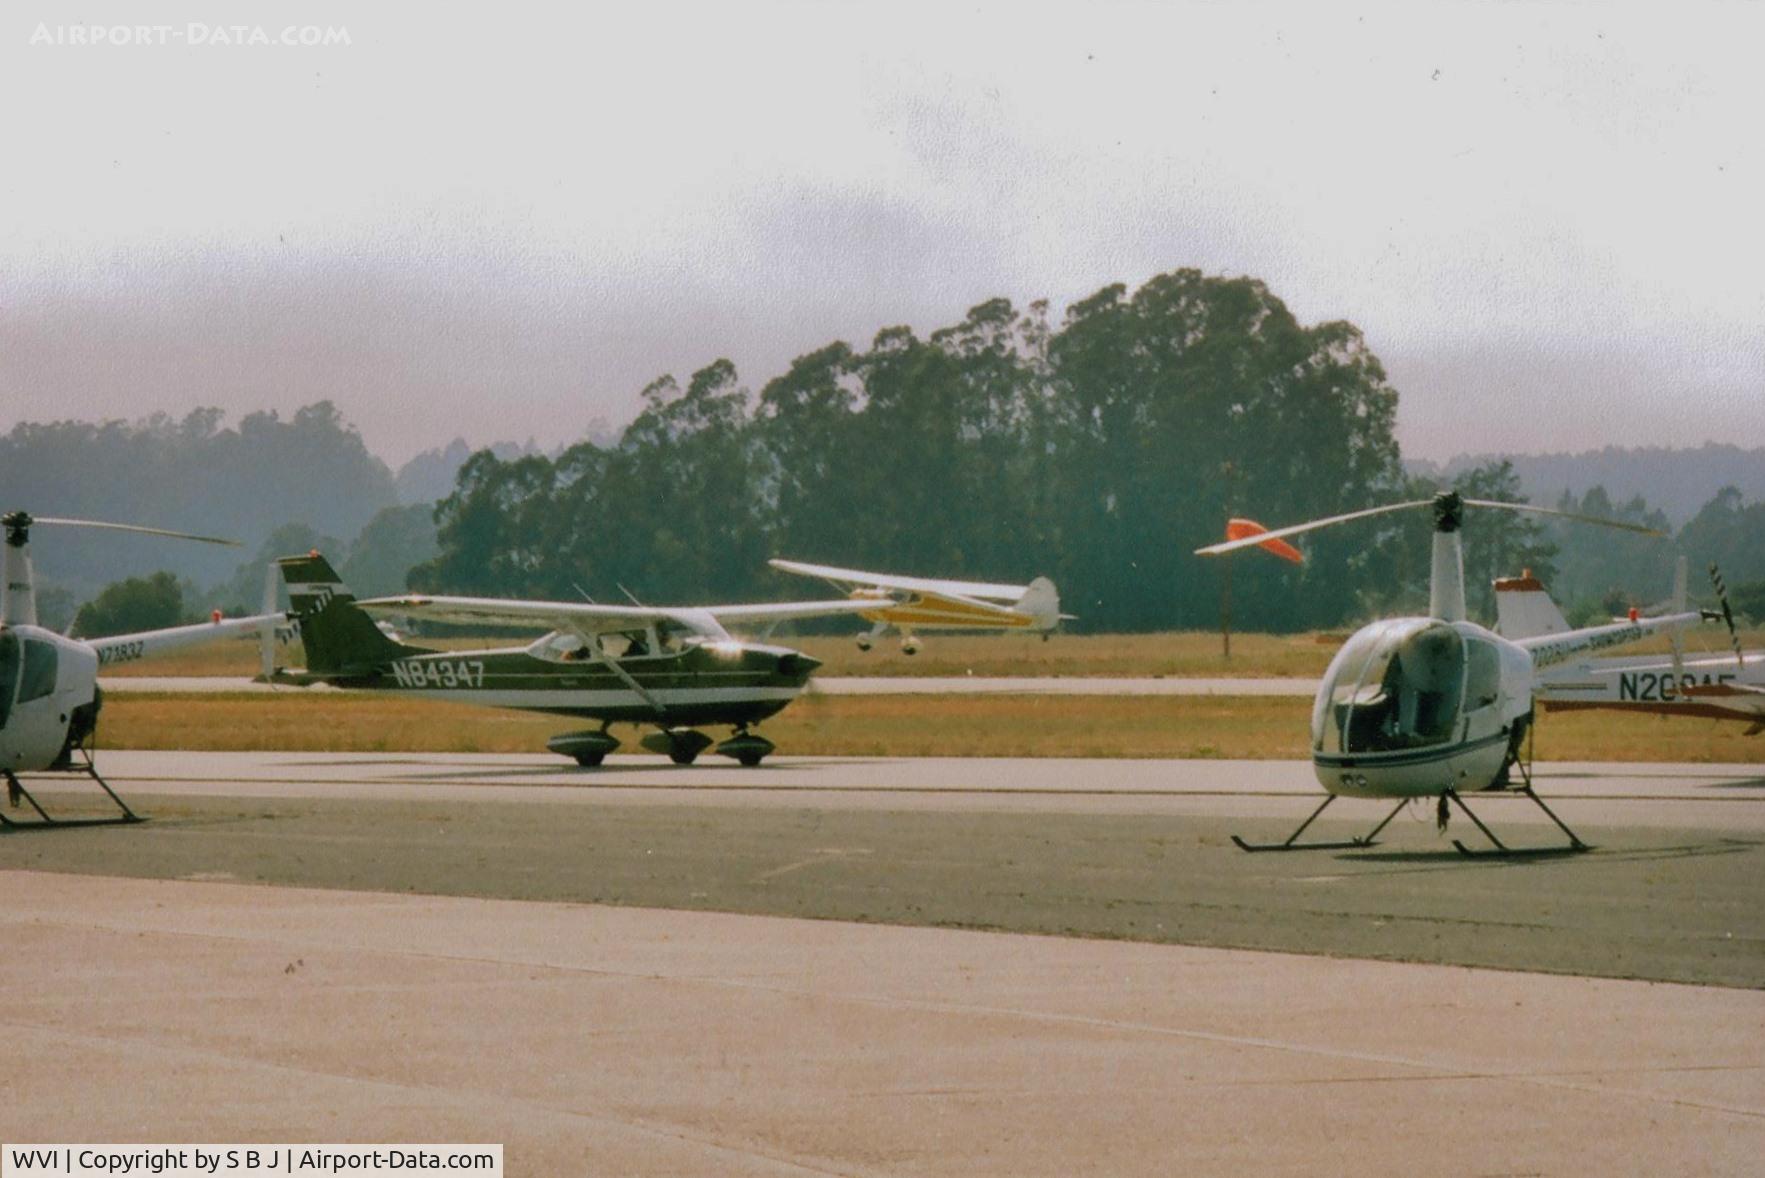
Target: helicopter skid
[(16, 792), (1500, 849), (1355, 844)]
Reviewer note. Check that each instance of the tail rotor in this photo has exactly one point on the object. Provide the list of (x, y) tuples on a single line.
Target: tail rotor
[(1727, 613)]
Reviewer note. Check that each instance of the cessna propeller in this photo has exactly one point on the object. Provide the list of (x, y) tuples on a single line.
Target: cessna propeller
[(49, 695), (1436, 706)]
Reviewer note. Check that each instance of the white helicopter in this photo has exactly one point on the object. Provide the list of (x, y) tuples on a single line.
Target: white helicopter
[(1436, 706), (49, 696), (926, 603)]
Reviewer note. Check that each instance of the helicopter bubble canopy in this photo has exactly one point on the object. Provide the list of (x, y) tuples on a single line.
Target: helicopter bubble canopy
[(1396, 685)]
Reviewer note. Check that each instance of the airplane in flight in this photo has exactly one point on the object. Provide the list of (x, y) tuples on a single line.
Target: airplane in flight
[(49, 694), (1717, 687), (675, 668), (908, 604)]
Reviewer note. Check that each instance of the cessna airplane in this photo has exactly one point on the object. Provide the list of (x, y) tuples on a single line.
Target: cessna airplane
[(910, 603), (49, 697), (1435, 706), (1716, 687), (671, 667)]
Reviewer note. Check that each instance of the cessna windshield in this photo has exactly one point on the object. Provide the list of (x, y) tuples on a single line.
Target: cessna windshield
[(1395, 685)]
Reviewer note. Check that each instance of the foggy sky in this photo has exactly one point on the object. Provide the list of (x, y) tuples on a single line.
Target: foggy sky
[(1544, 219)]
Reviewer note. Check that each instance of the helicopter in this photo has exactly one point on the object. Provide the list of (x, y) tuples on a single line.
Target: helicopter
[(1437, 706), (49, 695)]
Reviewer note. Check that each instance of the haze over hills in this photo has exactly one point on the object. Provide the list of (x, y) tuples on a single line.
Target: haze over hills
[(430, 475), (1676, 481)]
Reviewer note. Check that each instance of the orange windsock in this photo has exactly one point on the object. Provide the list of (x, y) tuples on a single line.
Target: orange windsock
[(1238, 529)]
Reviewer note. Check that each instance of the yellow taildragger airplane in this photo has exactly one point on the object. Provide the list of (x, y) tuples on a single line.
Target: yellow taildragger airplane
[(925, 603)]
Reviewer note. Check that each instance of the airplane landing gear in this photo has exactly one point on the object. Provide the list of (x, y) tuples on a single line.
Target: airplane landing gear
[(748, 748), (588, 748), (680, 745)]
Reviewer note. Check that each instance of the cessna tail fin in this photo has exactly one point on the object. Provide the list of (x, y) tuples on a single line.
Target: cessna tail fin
[(1524, 610), (339, 638)]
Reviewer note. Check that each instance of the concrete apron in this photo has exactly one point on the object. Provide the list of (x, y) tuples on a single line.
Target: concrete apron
[(620, 1040)]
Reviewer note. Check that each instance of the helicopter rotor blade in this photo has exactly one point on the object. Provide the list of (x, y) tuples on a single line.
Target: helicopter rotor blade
[(1577, 516), (1296, 529), (93, 523)]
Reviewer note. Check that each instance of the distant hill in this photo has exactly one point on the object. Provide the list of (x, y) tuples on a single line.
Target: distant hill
[(1678, 482), (194, 473), (430, 475)]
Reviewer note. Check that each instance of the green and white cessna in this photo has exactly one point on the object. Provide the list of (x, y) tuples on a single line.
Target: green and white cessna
[(671, 667)]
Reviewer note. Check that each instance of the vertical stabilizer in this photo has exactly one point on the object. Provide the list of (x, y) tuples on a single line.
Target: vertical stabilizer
[(1041, 601), (1523, 609), (339, 638)]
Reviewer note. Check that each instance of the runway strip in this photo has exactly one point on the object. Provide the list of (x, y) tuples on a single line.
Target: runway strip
[(604, 1040)]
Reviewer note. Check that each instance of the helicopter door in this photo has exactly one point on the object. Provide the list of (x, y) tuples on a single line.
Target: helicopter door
[(1482, 689), (9, 663), (1427, 677), (36, 723)]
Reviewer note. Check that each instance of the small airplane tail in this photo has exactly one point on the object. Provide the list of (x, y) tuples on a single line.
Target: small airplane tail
[(1041, 602), (1524, 610), (340, 639)]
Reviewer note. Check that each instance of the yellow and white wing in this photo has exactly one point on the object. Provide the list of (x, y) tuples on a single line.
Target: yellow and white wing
[(928, 602)]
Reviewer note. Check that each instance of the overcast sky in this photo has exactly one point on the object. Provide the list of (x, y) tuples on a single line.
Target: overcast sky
[(1546, 219)]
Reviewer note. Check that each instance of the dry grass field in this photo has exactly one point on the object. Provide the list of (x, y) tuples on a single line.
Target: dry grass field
[(897, 725)]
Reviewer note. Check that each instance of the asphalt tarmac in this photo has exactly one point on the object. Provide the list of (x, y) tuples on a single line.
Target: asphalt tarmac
[(1196, 1009)]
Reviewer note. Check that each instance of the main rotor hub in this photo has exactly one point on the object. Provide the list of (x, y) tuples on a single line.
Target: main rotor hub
[(18, 528), (1449, 511)]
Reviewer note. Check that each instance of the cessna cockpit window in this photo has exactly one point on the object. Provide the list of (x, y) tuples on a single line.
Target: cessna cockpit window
[(670, 638), (625, 644)]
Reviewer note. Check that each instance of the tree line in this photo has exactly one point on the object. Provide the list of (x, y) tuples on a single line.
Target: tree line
[(1099, 450), (1099, 447)]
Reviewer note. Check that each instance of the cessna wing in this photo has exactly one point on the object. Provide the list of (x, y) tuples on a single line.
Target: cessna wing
[(589, 618)]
